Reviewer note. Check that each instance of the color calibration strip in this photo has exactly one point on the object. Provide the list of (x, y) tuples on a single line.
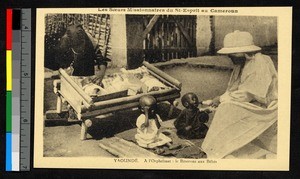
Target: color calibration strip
[(9, 13), (18, 67)]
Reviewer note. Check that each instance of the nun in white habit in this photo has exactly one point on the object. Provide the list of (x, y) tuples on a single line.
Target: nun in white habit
[(248, 108)]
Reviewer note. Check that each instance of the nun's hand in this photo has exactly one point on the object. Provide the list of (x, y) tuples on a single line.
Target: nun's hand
[(213, 103), (207, 102), (96, 80)]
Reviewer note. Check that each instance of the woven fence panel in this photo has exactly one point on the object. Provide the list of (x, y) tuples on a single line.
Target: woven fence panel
[(98, 25)]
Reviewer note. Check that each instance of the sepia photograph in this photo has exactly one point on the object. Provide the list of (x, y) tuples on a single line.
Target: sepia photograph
[(163, 88)]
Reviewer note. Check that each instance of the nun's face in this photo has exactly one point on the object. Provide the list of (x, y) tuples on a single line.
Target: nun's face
[(237, 58), (73, 38), (76, 34)]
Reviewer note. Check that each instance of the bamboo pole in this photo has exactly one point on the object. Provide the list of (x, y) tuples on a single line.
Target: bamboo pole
[(111, 150), (106, 110), (163, 80), (133, 98), (128, 105), (163, 74), (87, 99), (125, 100)]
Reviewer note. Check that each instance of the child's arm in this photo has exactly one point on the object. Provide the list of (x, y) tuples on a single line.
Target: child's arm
[(157, 121), (140, 122), (188, 128), (207, 109)]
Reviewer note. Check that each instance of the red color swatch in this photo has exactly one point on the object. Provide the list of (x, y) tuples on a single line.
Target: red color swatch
[(9, 29)]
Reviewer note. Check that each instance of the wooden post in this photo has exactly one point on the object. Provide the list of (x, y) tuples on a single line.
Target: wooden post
[(118, 42), (56, 86), (83, 132), (79, 115), (134, 32), (84, 126), (59, 104), (205, 35)]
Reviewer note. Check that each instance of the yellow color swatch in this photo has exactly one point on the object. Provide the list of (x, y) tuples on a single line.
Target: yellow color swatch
[(8, 70)]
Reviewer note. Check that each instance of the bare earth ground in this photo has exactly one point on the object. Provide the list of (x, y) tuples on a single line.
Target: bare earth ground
[(64, 139)]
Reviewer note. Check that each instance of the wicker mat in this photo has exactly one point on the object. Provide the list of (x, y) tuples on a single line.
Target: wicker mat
[(124, 145), (184, 149)]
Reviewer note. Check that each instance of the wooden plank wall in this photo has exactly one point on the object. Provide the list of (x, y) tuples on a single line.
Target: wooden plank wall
[(166, 41)]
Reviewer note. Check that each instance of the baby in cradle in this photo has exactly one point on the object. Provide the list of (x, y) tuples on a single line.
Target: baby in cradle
[(190, 123)]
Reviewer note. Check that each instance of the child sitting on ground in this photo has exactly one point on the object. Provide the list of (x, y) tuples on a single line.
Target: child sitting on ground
[(190, 122), (148, 124)]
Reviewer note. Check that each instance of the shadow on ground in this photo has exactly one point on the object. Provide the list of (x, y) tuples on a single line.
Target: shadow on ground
[(124, 120)]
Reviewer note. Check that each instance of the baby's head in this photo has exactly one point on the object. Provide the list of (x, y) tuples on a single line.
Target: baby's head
[(138, 75), (190, 101), (148, 103)]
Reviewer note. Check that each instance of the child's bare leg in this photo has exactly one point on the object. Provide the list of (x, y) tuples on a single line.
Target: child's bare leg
[(173, 146)]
